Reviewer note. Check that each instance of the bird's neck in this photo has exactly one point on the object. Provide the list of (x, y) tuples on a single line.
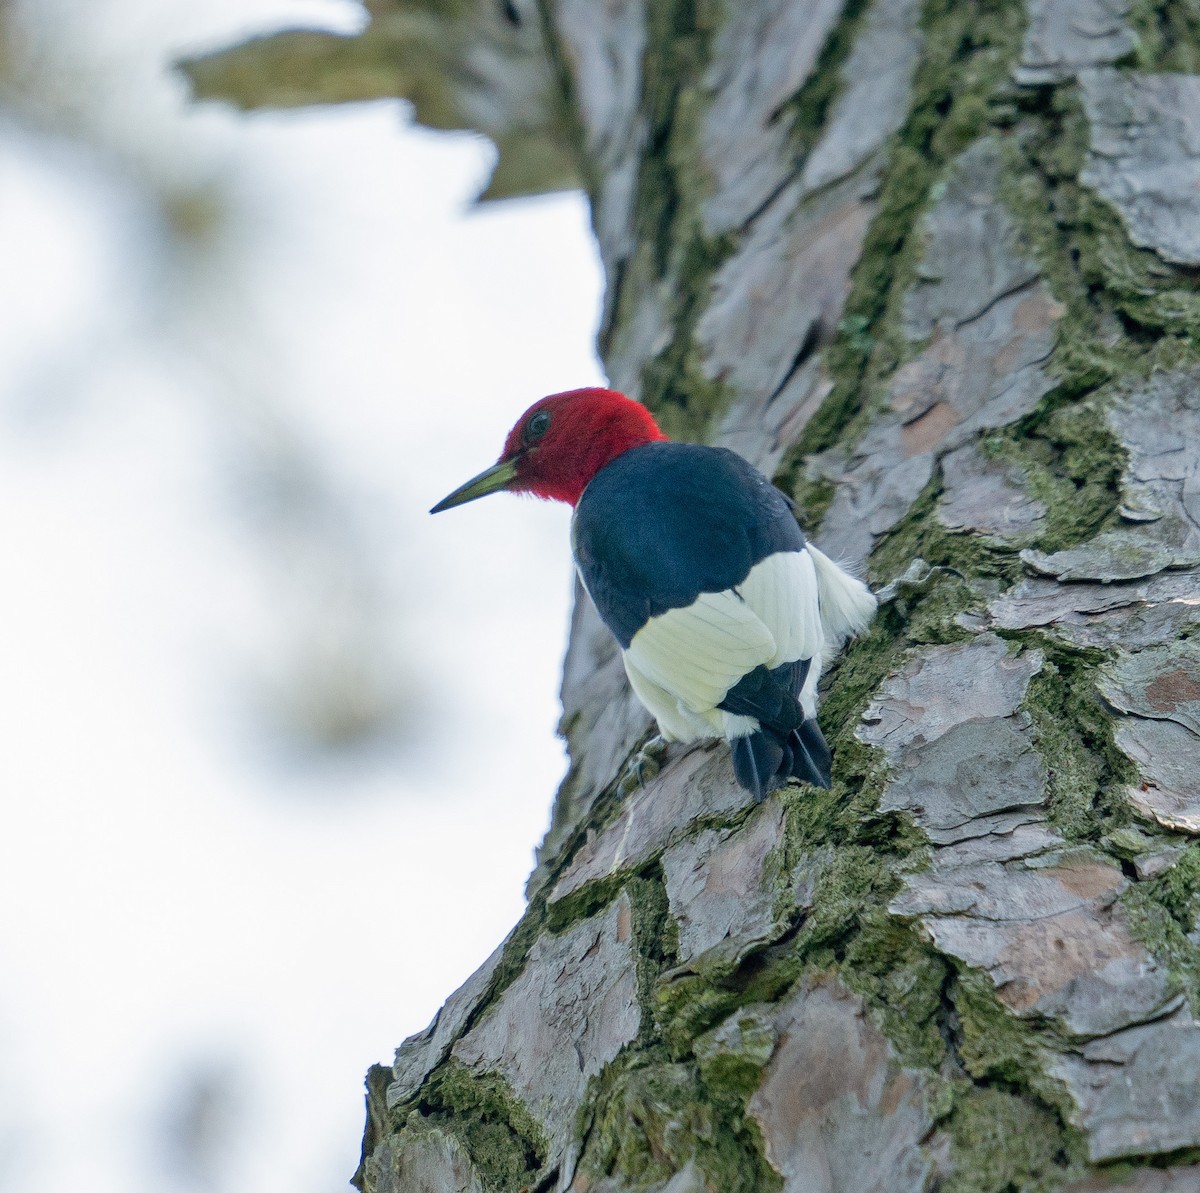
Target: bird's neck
[(572, 470)]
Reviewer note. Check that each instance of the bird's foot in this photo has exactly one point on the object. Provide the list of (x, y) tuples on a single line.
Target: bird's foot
[(643, 766)]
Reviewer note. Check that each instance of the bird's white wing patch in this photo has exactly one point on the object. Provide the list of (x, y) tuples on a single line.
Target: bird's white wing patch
[(782, 591), (697, 654)]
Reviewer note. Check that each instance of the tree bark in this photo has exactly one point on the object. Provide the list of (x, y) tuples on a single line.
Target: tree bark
[(934, 267)]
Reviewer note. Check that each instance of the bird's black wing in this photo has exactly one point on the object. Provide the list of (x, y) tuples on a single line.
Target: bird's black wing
[(665, 522)]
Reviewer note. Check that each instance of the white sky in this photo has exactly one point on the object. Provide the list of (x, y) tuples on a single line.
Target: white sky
[(172, 891)]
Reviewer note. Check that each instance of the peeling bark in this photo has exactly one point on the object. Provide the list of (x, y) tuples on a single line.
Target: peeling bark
[(933, 267)]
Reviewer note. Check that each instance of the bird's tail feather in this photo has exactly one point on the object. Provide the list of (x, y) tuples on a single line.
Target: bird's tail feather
[(811, 757), (763, 760), (756, 759)]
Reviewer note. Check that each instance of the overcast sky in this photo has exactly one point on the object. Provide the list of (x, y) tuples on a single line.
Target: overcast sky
[(217, 447)]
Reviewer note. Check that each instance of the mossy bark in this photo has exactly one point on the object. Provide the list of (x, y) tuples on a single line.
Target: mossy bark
[(933, 264)]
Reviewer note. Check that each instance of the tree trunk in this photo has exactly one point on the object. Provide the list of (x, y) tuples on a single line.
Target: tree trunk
[(935, 269)]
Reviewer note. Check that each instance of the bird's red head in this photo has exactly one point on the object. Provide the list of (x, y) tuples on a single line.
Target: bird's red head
[(560, 443)]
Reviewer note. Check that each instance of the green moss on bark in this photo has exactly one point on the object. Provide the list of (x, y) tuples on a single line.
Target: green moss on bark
[(967, 53), (591, 898), (1071, 463), (856, 676), (920, 534), (813, 497), (656, 944), (995, 1046), (1163, 914), (689, 1005), (807, 110), (1008, 1125), (651, 1120), (854, 882), (671, 242), (1003, 1143), (1119, 299), (674, 385), (903, 979), (1168, 35), (646, 1124), (1074, 734), (733, 1056), (505, 1143)]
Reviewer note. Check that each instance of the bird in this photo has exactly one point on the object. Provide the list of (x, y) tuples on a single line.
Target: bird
[(724, 612)]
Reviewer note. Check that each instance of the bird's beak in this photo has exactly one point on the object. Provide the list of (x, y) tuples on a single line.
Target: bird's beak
[(499, 476)]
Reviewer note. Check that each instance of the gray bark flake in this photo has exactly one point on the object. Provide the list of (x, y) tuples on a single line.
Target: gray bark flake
[(1064, 37), (605, 49), (1145, 156), (986, 496), (976, 769), (1165, 753), (780, 296), (716, 888), (944, 687), (1158, 423), (837, 1112), (974, 254), (1138, 1091), (785, 287), (1161, 683), (696, 786), (764, 53), (1158, 691), (569, 1013), (988, 324), (1003, 893), (420, 1054), (1132, 615), (1050, 936), (428, 1161), (876, 81), (1143, 1180)]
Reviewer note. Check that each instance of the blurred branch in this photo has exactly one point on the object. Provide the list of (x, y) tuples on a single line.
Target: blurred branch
[(476, 65)]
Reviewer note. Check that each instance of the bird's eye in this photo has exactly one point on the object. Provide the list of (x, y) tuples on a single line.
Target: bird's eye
[(537, 426)]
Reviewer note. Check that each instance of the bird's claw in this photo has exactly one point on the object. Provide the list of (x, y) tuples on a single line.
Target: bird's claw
[(643, 766)]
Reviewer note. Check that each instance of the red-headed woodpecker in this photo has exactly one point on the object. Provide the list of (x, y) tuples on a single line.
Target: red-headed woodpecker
[(694, 560)]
